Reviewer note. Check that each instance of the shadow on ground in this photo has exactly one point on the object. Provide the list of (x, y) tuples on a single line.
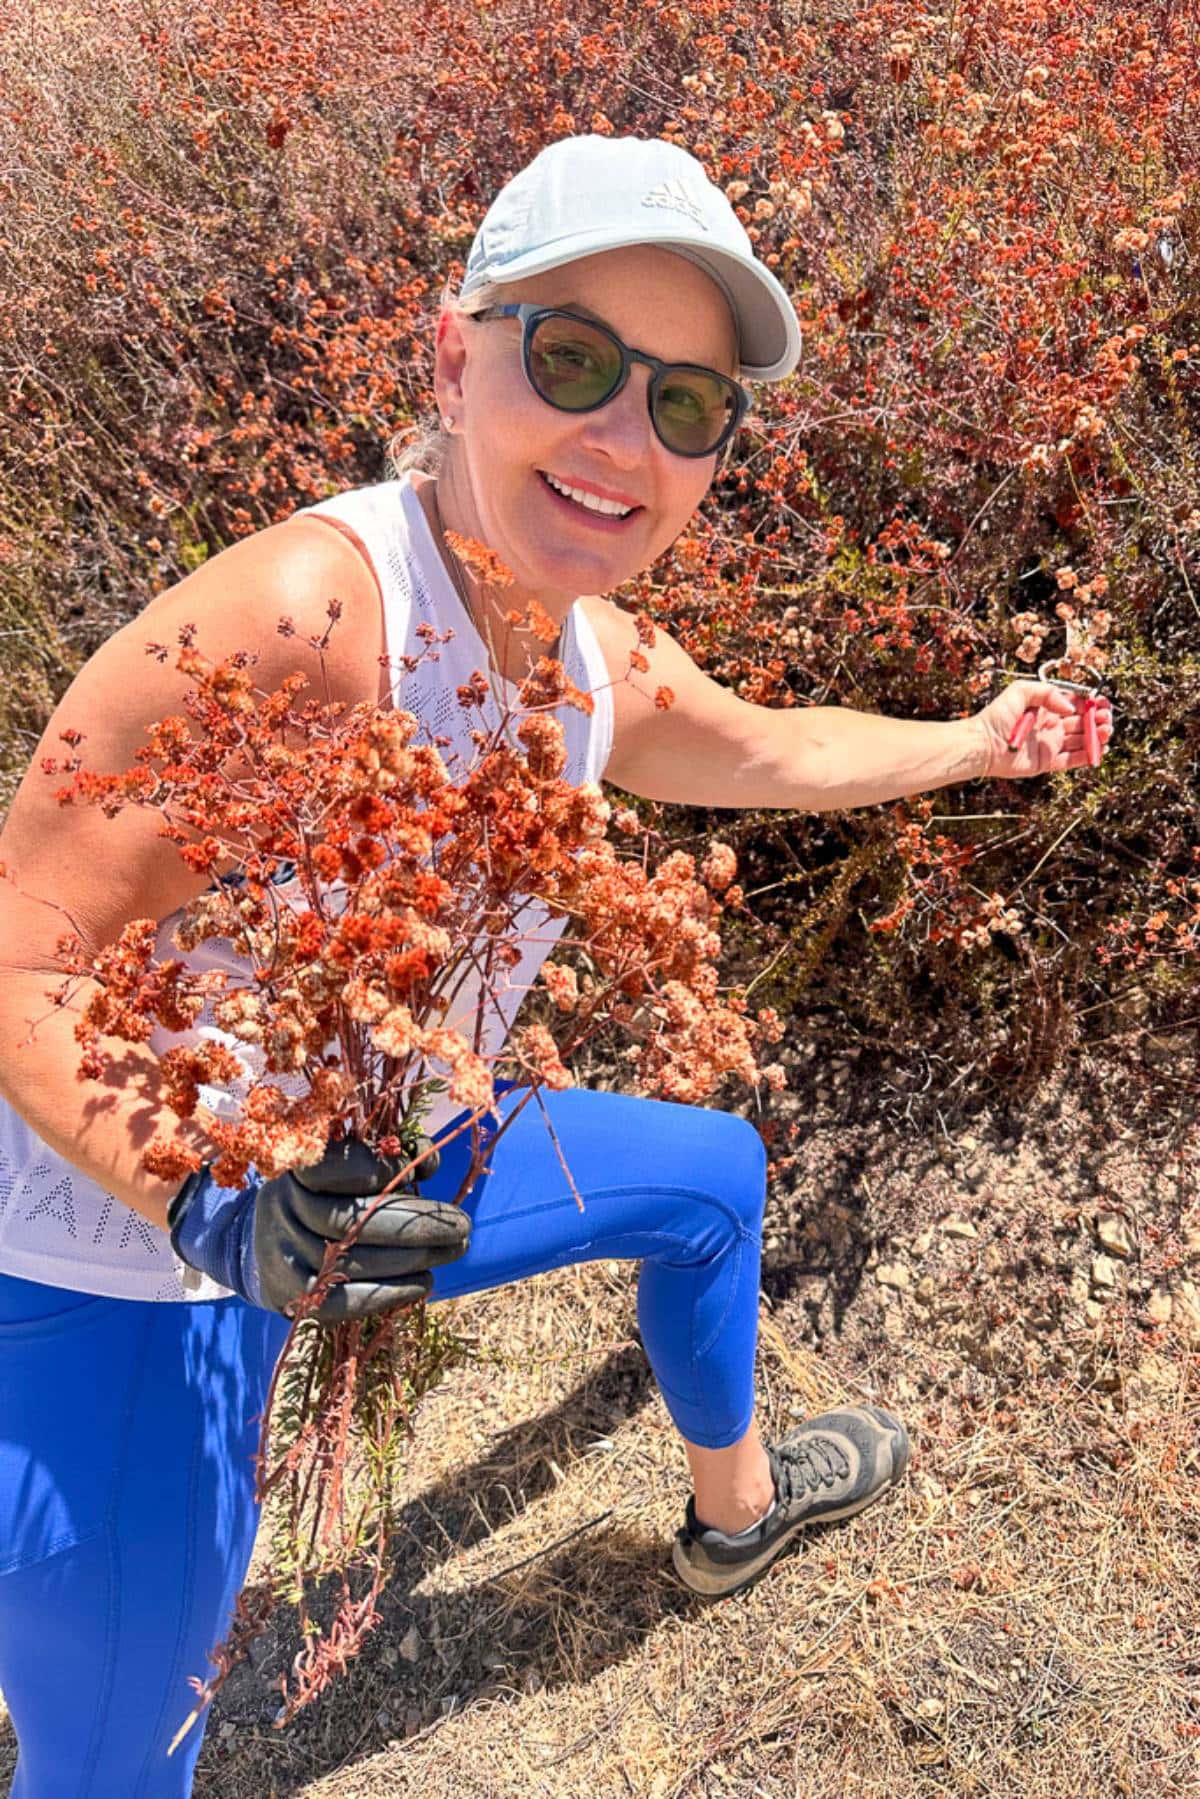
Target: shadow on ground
[(495, 1635)]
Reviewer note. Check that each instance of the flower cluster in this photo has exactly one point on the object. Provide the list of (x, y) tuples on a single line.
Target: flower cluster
[(406, 883)]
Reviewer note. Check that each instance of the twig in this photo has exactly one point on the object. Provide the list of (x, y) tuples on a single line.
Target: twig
[(556, 1544)]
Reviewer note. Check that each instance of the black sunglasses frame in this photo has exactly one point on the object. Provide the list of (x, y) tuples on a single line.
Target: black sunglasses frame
[(530, 313)]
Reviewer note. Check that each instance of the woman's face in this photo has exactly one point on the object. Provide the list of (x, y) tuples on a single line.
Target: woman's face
[(506, 435)]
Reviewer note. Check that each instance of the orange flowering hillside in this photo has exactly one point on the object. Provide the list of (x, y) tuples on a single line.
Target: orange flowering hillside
[(224, 240)]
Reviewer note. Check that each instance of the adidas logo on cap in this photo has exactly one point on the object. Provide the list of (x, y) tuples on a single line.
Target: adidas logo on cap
[(675, 195)]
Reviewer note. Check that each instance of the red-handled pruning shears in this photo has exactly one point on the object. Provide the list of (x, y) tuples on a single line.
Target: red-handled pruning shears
[(1092, 696)]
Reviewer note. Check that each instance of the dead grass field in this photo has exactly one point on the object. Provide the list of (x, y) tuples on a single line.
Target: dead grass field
[(1019, 1618)]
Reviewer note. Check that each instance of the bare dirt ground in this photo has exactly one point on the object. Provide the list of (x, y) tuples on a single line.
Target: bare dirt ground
[(1018, 1618)]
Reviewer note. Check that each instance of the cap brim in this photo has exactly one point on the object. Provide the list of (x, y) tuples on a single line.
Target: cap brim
[(770, 342)]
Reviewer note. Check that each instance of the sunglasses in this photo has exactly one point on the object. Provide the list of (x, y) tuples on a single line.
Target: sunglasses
[(577, 365)]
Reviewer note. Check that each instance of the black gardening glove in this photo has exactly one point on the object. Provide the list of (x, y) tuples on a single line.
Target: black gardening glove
[(267, 1240)]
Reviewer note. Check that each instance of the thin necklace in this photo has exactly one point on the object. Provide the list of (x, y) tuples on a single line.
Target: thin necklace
[(454, 571)]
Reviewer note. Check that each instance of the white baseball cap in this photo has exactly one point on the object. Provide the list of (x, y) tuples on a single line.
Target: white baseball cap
[(581, 195)]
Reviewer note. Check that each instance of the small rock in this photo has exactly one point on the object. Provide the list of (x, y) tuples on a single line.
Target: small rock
[(1104, 1272), (926, 1289), (1187, 1310), (410, 1644), (1113, 1234), (928, 1709), (959, 1227), (893, 1274), (1094, 1310), (1159, 1306), (923, 1243)]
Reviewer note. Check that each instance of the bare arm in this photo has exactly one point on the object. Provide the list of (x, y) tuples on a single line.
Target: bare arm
[(101, 1128), (107, 871)]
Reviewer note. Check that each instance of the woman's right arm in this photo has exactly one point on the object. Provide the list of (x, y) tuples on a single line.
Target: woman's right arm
[(107, 871)]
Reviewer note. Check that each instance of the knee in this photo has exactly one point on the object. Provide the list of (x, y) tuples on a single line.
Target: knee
[(751, 1185), (733, 1167)]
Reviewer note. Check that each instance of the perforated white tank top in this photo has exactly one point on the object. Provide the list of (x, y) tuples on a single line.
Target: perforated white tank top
[(60, 1227)]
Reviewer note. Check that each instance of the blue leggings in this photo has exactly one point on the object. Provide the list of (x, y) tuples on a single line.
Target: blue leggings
[(128, 1428)]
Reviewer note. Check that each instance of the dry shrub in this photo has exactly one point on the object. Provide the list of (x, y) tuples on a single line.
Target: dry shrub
[(227, 234)]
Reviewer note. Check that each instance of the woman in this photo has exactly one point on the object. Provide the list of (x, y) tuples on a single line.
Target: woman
[(140, 1325)]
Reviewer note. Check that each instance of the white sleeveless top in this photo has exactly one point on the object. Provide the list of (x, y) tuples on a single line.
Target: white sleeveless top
[(59, 1226)]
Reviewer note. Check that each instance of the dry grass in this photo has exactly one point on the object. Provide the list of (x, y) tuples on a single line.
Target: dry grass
[(1018, 1618)]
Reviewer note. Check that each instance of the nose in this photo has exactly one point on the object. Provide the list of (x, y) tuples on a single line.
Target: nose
[(622, 428)]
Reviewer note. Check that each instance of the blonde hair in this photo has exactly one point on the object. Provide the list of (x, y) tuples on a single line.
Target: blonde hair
[(428, 443), (425, 445)]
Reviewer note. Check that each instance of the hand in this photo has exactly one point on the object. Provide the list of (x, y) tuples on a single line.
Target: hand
[(1056, 741), (267, 1240)]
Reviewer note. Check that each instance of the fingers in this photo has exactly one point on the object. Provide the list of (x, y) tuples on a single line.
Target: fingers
[(362, 1299), (352, 1168), (413, 1231), (1087, 728), (347, 1167)]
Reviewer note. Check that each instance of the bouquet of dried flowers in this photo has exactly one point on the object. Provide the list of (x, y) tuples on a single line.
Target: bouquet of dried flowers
[(408, 883)]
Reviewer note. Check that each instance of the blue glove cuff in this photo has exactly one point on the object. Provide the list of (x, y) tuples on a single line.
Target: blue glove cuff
[(212, 1229)]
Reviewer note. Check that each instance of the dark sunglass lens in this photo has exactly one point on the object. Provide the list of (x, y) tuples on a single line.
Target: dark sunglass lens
[(573, 366), (692, 409)]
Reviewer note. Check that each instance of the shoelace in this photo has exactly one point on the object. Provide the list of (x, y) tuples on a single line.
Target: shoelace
[(798, 1466)]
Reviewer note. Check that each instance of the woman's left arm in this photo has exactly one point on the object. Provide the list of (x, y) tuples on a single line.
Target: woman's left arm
[(681, 737), (861, 759)]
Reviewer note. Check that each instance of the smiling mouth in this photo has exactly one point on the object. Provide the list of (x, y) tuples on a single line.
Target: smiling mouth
[(615, 518)]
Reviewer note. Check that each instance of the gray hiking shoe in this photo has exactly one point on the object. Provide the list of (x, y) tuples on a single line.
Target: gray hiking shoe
[(829, 1467)]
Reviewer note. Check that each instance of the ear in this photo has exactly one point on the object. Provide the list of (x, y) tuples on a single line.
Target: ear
[(449, 359)]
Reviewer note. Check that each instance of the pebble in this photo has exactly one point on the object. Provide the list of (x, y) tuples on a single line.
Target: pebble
[(1159, 1306), (959, 1227), (1104, 1272), (893, 1274), (1113, 1234), (1187, 1310), (410, 1644)]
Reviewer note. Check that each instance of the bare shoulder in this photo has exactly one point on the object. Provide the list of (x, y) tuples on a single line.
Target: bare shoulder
[(233, 603), (348, 566)]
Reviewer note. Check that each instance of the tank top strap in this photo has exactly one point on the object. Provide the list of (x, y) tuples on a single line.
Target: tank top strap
[(374, 515)]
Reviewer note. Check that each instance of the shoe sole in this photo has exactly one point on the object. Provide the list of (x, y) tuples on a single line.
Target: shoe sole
[(716, 1586)]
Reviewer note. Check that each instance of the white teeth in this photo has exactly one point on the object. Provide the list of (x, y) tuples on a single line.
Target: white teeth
[(589, 499)]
